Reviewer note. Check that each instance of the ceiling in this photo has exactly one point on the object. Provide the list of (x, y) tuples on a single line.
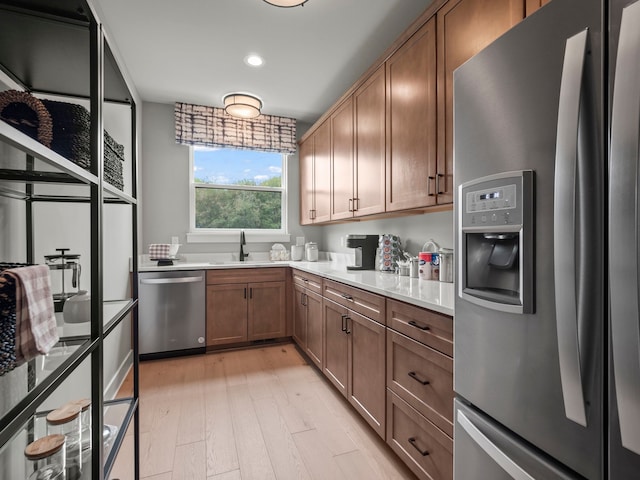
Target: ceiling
[(193, 50)]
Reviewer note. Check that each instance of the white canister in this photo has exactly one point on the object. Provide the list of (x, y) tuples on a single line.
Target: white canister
[(312, 251), (297, 252)]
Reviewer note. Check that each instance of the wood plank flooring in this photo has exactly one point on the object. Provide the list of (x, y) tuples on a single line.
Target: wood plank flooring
[(261, 413)]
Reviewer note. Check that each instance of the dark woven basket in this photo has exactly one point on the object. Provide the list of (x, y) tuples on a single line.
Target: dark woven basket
[(28, 114), (72, 140)]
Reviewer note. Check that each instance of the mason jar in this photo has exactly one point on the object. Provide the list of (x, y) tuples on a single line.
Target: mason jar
[(45, 458)]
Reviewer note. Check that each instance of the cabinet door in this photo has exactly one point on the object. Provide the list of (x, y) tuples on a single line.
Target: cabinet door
[(314, 327), (299, 317), (267, 310), (336, 349), (464, 28), (342, 161), (370, 144), (305, 158), (226, 314), (411, 122), (533, 5), (367, 347), (322, 173)]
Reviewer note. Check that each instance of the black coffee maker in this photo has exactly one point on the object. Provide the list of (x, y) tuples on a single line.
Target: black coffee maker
[(365, 246)]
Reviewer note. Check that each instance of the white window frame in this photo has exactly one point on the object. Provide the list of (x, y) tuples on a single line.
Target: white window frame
[(231, 235)]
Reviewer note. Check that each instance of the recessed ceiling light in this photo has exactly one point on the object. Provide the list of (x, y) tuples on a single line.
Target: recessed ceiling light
[(254, 60)]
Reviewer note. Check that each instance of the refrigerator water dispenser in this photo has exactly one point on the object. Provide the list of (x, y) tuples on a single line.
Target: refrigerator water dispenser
[(496, 235)]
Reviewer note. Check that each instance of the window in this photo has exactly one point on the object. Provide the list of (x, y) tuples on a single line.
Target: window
[(237, 189)]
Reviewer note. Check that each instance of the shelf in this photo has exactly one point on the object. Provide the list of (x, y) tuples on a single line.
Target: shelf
[(59, 43), (47, 372), (118, 414), (34, 148), (114, 311), (114, 195)]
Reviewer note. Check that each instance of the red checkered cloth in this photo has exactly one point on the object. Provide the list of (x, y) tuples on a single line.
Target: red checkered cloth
[(159, 250), (36, 330)]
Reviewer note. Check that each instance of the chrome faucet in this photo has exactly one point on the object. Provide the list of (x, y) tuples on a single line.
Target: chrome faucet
[(242, 243)]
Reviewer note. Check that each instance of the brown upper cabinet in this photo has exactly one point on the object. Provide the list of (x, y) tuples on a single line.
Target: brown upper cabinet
[(358, 151), (389, 139), (369, 114), (315, 180), (411, 122), (533, 5), (464, 28), (342, 161)]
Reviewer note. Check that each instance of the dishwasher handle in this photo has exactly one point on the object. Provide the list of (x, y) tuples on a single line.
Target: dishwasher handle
[(165, 281)]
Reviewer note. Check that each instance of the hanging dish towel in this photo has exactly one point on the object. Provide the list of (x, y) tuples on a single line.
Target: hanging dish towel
[(36, 330)]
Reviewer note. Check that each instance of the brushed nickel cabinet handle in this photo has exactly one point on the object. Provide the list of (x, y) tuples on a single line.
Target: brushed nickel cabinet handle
[(429, 178)]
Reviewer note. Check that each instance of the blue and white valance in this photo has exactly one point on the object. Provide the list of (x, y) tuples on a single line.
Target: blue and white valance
[(212, 127)]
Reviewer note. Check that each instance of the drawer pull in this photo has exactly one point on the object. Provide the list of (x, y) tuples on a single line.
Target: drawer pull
[(412, 441), (346, 296), (414, 375), (413, 323)]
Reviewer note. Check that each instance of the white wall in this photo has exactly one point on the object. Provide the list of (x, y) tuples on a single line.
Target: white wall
[(414, 231), (164, 179)]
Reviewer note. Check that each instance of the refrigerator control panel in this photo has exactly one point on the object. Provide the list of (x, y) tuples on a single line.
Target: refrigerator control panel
[(497, 198)]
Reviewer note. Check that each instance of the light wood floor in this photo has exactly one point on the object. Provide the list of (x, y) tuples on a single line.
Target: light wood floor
[(260, 413)]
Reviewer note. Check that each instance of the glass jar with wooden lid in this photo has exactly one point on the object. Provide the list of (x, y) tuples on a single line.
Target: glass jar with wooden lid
[(66, 421), (46, 458)]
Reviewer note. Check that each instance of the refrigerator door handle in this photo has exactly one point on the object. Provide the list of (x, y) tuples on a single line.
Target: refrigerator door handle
[(623, 229), (490, 448), (564, 226)]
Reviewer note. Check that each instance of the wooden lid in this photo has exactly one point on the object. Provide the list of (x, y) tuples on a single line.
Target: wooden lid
[(64, 414), (83, 403), (44, 447)]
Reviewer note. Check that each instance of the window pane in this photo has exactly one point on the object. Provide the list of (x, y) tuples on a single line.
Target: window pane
[(228, 166), (224, 208)]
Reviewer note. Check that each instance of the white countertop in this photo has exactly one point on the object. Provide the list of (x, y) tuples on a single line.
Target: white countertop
[(436, 296)]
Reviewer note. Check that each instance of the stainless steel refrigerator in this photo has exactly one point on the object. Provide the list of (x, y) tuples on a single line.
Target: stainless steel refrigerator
[(547, 323)]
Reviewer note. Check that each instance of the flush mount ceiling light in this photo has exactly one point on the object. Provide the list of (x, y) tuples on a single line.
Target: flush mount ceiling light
[(286, 3), (242, 105), (254, 60)]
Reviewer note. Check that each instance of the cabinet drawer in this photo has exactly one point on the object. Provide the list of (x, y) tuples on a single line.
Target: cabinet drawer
[(409, 366), (308, 280), (430, 328), (420, 444), (246, 275), (365, 303)]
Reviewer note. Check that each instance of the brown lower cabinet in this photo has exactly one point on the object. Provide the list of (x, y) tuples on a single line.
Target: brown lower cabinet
[(307, 323), (354, 361), (391, 360), (239, 310), (426, 449)]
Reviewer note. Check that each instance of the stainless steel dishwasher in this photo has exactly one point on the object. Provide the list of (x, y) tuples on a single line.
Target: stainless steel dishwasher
[(171, 313)]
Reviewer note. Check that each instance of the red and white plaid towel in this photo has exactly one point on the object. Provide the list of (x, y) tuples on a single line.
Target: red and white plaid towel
[(36, 330)]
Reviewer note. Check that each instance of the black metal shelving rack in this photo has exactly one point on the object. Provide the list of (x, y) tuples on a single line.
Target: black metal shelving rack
[(59, 48)]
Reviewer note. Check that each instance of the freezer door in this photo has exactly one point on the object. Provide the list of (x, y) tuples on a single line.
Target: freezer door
[(624, 438), (541, 375), (483, 450)]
